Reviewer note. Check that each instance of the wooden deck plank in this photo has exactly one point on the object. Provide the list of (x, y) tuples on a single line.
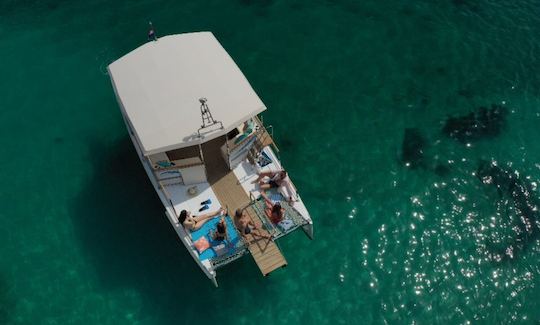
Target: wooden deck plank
[(230, 193)]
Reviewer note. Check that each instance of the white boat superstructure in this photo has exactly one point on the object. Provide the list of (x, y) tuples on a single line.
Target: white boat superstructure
[(193, 119)]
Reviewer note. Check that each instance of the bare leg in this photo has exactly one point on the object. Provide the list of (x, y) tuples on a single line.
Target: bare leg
[(263, 175), (199, 224), (246, 239), (257, 232), (202, 219), (267, 200), (207, 216)]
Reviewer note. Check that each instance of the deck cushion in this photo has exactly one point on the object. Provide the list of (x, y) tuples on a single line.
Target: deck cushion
[(202, 244)]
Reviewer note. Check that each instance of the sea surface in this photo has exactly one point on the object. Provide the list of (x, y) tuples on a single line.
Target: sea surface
[(83, 236)]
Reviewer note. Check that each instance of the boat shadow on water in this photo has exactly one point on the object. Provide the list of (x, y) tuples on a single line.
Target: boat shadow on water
[(7, 301), (125, 235)]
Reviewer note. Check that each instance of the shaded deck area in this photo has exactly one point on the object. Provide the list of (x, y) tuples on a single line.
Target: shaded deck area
[(230, 193)]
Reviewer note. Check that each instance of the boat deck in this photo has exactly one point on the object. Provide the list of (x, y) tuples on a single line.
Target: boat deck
[(230, 193)]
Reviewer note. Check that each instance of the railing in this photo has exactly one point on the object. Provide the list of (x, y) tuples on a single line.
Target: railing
[(239, 250), (265, 132), (178, 166), (240, 143), (168, 178), (167, 194)]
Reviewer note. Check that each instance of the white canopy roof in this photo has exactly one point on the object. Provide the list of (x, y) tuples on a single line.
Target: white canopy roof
[(158, 86)]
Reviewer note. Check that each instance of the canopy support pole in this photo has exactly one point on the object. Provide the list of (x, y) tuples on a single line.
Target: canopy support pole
[(202, 159), (228, 153)]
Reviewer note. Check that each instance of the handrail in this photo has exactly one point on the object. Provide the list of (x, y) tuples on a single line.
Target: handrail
[(270, 130), (269, 133), (172, 177), (220, 261), (178, 166), (241, 142), (167, 195)]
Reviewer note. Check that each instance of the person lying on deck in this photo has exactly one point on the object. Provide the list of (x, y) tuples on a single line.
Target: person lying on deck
[(275, 179), (221, 231), (246, 226), (279, 180), (273, 211), (193, 223)]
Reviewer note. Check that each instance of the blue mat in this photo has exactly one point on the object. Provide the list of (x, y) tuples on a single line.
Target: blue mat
[(264, 159), (208, 228), (276, 197)]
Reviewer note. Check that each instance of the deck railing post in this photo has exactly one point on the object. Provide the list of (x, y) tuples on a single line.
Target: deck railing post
[(202, 159), (228, 153)]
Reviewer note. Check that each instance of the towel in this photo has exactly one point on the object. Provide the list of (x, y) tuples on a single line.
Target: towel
[(220, 249), (285, 224), (276, 198), (264, 159)]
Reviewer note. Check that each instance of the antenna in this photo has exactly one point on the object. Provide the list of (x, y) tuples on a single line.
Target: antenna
[(206, 115)]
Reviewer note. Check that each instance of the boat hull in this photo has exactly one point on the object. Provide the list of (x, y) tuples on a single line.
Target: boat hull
[(169, 211)]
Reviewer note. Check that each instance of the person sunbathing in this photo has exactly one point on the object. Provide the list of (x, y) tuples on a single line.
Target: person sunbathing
[(273, 211), (246, 227), (279, 180), (276, 179), (221, 231), (193, 223)]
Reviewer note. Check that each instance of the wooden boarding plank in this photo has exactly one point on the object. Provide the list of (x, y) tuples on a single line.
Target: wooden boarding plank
[(230, 193), (266, 253)]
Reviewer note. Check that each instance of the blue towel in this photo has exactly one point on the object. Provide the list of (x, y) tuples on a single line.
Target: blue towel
[(164, 163), (286, 224), (264, 159), (207, 229), (276, 197)]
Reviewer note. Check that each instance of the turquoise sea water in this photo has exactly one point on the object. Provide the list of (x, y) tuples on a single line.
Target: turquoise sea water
[(83, 238)]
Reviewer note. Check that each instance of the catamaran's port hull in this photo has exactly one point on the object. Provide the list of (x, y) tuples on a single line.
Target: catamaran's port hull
[(205, 266)]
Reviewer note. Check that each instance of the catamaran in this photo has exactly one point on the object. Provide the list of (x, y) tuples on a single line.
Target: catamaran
[(195, 122)]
